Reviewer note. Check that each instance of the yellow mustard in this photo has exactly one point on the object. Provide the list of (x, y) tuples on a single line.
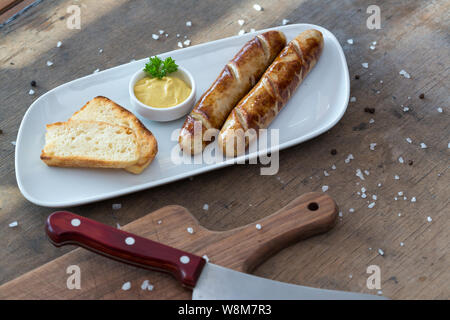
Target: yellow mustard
[(161, 93)]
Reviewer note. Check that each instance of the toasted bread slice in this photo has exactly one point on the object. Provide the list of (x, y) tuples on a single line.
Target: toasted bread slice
[(103, 109), (90, 144)]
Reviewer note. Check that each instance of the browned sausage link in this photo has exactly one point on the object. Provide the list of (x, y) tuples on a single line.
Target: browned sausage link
[(235, 80), (261, 105)]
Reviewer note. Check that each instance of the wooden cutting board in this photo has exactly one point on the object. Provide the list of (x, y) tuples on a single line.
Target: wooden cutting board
[(242, 249)]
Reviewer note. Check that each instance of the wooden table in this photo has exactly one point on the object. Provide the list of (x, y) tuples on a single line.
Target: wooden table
[(413, 37)]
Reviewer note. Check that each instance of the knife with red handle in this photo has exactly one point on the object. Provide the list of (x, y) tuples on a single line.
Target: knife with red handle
[(208, 281), (64, 227)]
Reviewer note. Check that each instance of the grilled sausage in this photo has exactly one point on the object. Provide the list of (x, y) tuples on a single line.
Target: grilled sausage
[(261, 105), (233, 83)]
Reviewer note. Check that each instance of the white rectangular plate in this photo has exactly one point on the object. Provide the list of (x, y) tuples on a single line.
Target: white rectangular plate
[(316, 106)]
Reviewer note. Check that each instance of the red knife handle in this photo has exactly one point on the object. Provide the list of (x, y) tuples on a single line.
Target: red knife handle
[(64, 227)]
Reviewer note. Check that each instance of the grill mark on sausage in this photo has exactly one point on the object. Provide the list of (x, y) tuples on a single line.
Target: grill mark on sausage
[(264, 44), (234, 70)]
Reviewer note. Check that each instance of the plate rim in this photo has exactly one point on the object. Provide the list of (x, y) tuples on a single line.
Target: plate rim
[(151, 184)]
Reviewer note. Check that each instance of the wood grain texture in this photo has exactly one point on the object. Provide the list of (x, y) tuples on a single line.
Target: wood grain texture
[(413, 37), (242, 249)]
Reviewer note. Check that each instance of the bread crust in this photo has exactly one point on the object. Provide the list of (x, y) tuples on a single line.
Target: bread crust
[(147, 142)]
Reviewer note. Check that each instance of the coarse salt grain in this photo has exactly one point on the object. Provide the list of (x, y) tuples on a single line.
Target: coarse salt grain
[(372, 47), (439, 110), (257, 7), (363, 195), (371, 121), (126, 286), (349, 158), (340, 214), (381, 252), (241, 32), (49, 63), (241, 22), (379, 185), (405, 109), (252, 30), (408, 140), (325, 173), (374, 197), (423, 145), (188, 23), (359, 174), (100, 51), (161, 31), (413, 199), (324, 188), (351, 210), (144, 285), (205, 257), (401, 244), (258, 226), (429, 219), (116, 206), (190, 230), (400, 159), (13, 143), (350, 41), (179, 44), (353, 99), (31, 92), (372, 146), (205, 207), (333, 167), (371, 205), (13, 224), (285, 22), (118, 226), (155, 36), (396, 177), (96, 71), (405, 74), (365, 65), (400, 193), (187, 42), (366, 172), (59, 44)]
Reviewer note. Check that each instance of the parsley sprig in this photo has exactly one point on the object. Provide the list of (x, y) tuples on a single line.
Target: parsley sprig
[(158, 68)]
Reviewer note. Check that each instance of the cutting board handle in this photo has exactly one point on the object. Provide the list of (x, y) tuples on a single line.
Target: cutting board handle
[(64, 227), (309, 214)]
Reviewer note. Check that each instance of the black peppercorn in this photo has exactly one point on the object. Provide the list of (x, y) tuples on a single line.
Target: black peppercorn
[(333, 152), (422, 96), (357, 76), (33, 83)]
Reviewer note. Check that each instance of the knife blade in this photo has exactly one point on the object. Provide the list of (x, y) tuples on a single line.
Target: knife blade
[(219, 283), (207, 280)]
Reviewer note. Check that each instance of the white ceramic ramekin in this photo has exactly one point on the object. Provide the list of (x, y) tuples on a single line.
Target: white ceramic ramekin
[(163, 114)]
